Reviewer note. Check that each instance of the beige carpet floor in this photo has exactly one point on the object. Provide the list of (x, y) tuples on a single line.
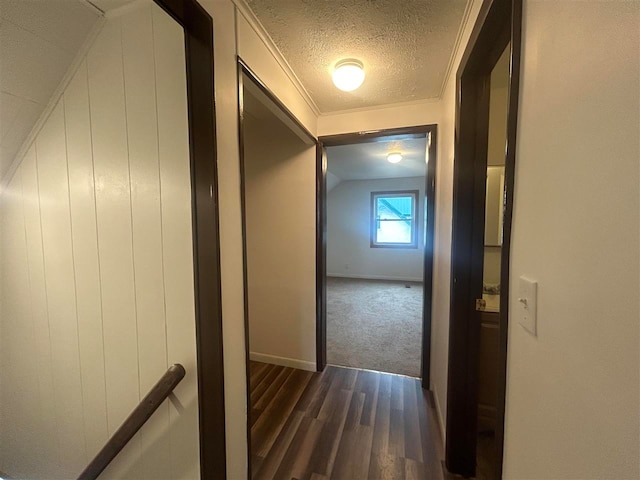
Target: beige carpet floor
[(374, 324)]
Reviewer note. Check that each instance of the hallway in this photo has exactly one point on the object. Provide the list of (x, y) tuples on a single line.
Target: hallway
[(341, 424)]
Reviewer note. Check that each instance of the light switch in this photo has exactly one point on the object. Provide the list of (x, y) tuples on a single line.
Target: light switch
[(527, 304)]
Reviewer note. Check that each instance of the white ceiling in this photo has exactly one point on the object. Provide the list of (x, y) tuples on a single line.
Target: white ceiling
[(38, 42), (405, 45), (363, 161)]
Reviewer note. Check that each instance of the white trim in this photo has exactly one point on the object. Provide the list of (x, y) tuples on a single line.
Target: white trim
[(443, 432), (410, 103), (283, 361), (375, 277), (268, 42), (53, 101), (456, 47)]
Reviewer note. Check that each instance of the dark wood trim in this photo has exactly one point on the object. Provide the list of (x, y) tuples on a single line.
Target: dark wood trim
[(510, 169), (367, 136), (245, 277), (321, 232), (427, 285), (272, 96), (414, 220), (134, 422), (321, 257), (498, 23), (198, 29)]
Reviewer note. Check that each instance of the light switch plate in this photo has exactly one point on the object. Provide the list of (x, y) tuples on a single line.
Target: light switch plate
[(527, 305)]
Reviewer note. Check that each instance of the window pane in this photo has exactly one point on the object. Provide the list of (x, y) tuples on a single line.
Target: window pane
[(394, 207), (394, 219), (393, 232)]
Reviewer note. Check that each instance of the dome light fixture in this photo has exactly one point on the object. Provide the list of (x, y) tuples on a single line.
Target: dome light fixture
[(394, 157), (348, 74)]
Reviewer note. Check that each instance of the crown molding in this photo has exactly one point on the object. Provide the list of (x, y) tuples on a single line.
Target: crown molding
[(456, 47), (249, 16)]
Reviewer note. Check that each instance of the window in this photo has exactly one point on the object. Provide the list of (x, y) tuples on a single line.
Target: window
[(393, 219)]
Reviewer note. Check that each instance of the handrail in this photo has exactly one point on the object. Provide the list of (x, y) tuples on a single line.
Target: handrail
[(134, 421)]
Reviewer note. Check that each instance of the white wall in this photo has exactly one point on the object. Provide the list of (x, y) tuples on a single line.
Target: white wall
[(280, 230), (349, 253), (226, 92), (498, 107), (257, 50), (573, 391), (379, 118), (97, 291)]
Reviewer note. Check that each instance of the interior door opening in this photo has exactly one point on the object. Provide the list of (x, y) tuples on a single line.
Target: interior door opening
[(483, 188), (376, 218), (488, 315), (278, 208)]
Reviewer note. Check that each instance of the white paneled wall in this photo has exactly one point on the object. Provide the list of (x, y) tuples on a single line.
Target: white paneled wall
[(97, 295)]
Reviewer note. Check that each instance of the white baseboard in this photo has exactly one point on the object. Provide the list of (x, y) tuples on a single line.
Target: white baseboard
[(374, 277), (443, 432), (283, 361)]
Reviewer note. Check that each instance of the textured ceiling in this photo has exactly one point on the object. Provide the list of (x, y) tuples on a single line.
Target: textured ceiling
[(405, 45), (38, 42), (364, 161)]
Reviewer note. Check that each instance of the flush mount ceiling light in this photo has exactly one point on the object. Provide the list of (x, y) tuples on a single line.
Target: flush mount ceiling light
[(348, 74), (394, 157)]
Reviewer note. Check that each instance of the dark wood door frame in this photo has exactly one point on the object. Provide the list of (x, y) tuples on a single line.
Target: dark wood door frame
[(198, 32), (499, 23), (321, 234)]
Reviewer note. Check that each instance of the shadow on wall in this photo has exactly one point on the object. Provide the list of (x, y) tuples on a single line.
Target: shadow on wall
[(280, 234)]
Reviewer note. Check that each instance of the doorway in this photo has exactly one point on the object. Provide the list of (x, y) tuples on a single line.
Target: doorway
[(484, 165), (278, 206), (373, 218)]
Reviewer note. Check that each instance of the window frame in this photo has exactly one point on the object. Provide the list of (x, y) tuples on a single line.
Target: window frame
[(415, 194)]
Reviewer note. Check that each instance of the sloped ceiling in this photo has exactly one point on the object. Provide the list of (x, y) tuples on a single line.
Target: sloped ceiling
[(38, 42), (405, 45), (364, 161)]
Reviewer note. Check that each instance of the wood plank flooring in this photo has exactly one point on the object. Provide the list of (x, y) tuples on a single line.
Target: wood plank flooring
[(341, 424)]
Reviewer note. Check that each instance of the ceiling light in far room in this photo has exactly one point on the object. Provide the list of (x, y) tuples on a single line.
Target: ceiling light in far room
[(394, 157), (348, 74)]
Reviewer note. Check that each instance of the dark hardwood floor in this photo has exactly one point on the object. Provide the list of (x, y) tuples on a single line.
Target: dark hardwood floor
[(341, 424)]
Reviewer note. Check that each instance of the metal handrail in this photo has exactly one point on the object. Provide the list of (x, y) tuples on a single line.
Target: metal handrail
[(134, 422)]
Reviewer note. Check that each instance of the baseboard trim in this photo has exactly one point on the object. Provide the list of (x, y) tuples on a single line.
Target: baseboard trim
[(443, 432), (283, 361), (375, 277)]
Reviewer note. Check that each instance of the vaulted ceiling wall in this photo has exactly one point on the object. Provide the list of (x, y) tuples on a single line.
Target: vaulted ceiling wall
[(38, 42)]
